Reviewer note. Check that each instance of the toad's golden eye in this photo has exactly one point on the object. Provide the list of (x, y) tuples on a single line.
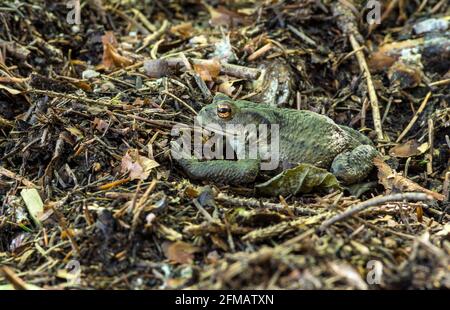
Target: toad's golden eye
[(224, 110)]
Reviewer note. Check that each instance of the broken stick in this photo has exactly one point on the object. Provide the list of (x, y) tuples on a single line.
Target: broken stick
[(371, 89), (374, 202)]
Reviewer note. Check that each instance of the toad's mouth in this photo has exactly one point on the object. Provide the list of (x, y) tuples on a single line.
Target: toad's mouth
[(229, 130)]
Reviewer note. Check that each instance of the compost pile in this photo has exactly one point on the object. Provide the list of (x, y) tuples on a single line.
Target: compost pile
[(91, 197)]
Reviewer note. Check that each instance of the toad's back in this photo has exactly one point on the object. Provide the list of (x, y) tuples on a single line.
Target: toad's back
[(308, 137)]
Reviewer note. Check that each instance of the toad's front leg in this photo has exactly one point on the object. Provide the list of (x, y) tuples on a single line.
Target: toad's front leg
[(242, 171)]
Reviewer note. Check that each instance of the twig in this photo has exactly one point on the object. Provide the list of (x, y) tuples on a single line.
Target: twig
[(154, 51), (439, 83), (258, 53), (68, 96), (5, 123), (431, 144), (253, 203), (446, 187), (7, 173), (240, 71), (63, 224), (154, 36), (203, 211), (112, 184), (154, 122), (282, 228), (180, 101), (373, 202), (301, 35), (415, 117), (13, 278), (130, 20), (371, 89), (229, 69), (144, 20), (202, 86)]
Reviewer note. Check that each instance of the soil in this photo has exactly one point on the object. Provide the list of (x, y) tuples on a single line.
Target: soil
[(86, 112)]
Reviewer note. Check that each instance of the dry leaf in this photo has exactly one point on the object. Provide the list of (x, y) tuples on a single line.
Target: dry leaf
[(407, 149), (219, 242), (138, 167), (82, 85), (156, 68), (224, 17), (226, 86), (184, 30), (301, 179), (110, 38), (350, 274), (75, 132), (180, 252), (208, 69), (387, 54), (191, 192), (111, 57), (419, 213), (396, 182), (100, 124)]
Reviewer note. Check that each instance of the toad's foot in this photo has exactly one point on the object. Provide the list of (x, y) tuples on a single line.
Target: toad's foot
[(355, 165)]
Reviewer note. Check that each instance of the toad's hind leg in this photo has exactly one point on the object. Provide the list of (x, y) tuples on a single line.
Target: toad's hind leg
[(357, 135), (355, 165)]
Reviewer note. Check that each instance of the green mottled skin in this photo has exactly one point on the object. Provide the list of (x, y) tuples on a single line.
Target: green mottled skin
[(305, 137)]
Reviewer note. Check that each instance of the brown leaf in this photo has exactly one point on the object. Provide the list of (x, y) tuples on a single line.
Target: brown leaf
[(138, 167), (83, 85), (100, 124), (387, 54), (407, 149), (396, 182), (208, 69), (111, 57), (110, 38), (191, 192), (183, 30), (179, 252), (226, 86), (419, 213), (224, 17)]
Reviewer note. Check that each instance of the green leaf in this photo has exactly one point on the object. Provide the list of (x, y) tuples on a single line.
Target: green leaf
[(302, 179), (34, 204)]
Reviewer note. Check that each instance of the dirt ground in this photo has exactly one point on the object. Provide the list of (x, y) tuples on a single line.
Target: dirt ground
[(91, 197)]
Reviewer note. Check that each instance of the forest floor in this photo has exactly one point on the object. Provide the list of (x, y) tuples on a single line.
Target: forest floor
[(90, 196)]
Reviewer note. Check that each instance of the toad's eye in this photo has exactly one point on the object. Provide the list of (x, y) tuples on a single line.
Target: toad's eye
[(224, 111)]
